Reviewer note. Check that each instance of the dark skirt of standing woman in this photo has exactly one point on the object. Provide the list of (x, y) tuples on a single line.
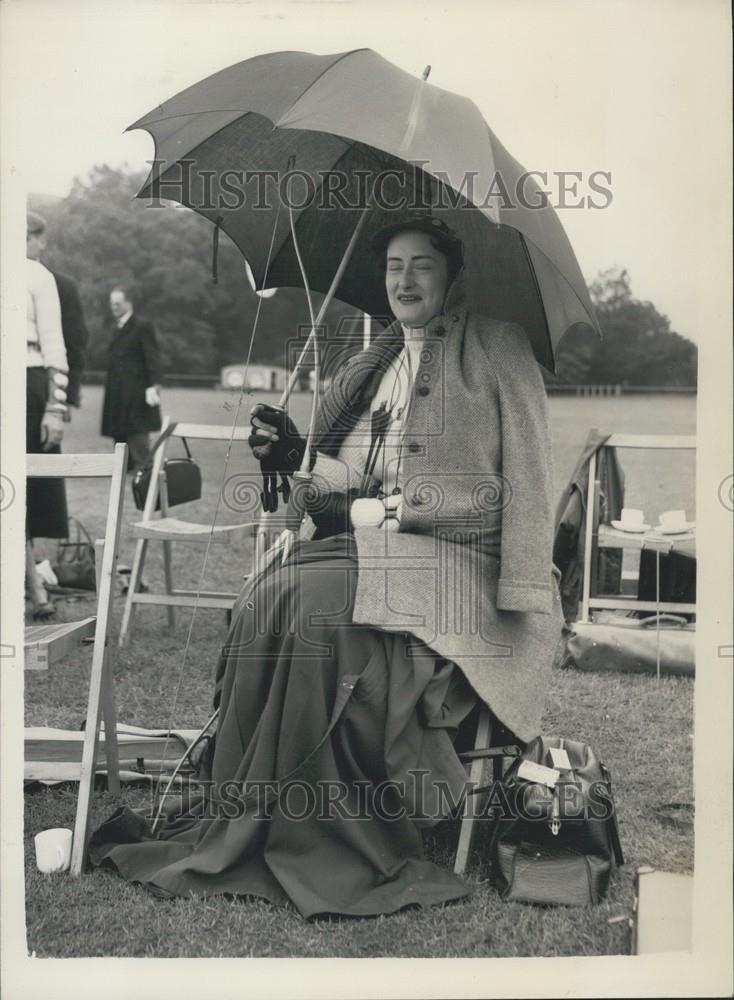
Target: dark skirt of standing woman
[(46, 513)]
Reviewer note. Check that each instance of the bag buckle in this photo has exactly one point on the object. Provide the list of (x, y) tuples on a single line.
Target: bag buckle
[(555, 819)]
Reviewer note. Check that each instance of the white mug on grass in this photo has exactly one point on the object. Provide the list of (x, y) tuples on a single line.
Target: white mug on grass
[(53, 850)]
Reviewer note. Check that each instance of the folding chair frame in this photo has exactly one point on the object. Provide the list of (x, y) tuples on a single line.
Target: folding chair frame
[(476, 770), (101, 699), (174, 597)]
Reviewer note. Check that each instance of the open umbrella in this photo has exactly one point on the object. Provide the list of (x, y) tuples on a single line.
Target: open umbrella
[(368, 143), (351, 124)]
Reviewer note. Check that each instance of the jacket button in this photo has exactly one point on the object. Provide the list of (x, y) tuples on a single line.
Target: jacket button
[(423, 390), (454, 317), (425, 377), (440, 331), (414, 446)]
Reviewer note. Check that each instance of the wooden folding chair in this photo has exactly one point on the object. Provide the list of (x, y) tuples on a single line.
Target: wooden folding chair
[(44, 644), (169, 530), (477, 761), (483, 754)]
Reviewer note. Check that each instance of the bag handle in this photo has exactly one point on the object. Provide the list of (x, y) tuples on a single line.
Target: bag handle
[(511, 750), (81, 531), (83, 540), (164, 435), (664, 618)]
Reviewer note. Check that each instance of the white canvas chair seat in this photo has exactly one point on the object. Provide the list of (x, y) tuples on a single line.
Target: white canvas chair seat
[(173, 529), (158, 526)]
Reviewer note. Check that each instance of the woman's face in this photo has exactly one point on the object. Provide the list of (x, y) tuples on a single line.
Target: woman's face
[(416, 278)]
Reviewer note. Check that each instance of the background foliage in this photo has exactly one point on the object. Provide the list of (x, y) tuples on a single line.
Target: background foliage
[(638, 347), (100, 235)]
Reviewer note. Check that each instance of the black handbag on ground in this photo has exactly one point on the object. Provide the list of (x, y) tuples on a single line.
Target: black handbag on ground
[(183, 477), (556, 838), (74, 566)]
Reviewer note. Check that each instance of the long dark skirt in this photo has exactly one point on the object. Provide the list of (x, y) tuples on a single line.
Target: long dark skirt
[(46, 514), (333, 751)]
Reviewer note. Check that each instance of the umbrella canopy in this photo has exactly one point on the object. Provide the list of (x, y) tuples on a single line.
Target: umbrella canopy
[(225, 145)]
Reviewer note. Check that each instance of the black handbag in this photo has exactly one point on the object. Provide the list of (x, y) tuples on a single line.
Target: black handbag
[(183, 477), (75, 564), (556, 839)]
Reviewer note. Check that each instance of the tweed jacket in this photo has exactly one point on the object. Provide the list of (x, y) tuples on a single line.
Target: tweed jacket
[(469, 572)]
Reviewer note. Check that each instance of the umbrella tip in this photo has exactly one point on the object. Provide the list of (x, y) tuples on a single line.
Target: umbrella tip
[(426, 72)]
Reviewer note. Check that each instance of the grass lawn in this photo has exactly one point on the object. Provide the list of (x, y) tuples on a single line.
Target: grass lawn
[(641, 728)]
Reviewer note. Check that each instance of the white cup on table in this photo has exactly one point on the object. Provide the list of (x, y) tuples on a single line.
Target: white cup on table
[(673, 520), (53, 850), (633, 517)]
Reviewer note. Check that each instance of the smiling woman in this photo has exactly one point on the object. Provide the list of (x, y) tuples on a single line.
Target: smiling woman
[(349, 669), (416, 279), (421, 264)]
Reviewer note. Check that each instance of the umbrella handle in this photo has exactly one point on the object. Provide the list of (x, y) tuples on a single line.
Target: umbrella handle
[(325, 304)]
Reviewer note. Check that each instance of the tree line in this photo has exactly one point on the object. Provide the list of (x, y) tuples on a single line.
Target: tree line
[(102, 236)]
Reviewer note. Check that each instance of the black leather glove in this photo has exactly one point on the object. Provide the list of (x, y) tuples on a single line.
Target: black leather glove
[(277, 458)]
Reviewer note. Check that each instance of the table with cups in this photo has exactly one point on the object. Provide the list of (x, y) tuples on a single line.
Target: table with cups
[(672, 534)]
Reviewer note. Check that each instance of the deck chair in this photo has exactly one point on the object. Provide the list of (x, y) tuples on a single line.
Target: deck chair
[(45, 644), (162, 528), (598, 535)]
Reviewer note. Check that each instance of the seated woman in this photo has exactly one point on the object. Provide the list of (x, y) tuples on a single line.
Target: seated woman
[(349, 667)]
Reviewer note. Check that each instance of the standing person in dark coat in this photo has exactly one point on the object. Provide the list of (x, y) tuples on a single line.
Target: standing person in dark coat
[(76, 335), (132, 400)]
